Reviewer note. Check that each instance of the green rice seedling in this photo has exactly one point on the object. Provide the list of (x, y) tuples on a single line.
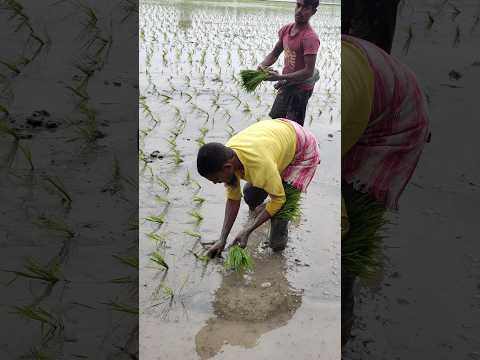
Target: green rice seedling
[(193, 234), (238, 259), (162, 200), (203, 258), (188, 96), (188, 179), (36, 271), (202, 57), (361, 248), (114, 185), (12, 67), (55, 225), (142, 157), (196, 215), (124, 280), (46, 319), (131, 261), (90, 15), (79, 92), (198, 200), (237, 97), (130, 8), (177, 157), (27, 153), (159, 239), (168, 291), (162, 183), (58, 185), (230, 130), (35, 354), (158, 259), (196, 185), (133, 224), (172, 141), (250, 79), (227, 115), (229, 58), (156, 219), (164, 57), (119, 307), (246, 108), (206, 114), (89, 132), (291, 208), (166, 98)]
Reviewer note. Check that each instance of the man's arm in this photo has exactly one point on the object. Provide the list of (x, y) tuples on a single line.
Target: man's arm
[(231, 212), (242, 238), (300, 75), (271, 58)]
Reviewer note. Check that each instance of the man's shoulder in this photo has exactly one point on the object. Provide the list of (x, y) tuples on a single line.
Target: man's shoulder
[(310, 33), (285, 27)]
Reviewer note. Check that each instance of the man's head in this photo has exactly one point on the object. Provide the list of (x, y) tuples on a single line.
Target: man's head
[(305, 10), (216, 162)]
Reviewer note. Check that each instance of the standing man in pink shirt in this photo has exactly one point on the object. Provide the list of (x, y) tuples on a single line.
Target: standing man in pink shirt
[(295, 85)]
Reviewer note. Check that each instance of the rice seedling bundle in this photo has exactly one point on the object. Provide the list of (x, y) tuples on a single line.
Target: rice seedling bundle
[(252, 78), (158, 259), (238, 259), (291, 209), (361, 248)]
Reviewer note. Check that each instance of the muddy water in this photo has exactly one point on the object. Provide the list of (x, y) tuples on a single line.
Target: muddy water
[(289, 306)]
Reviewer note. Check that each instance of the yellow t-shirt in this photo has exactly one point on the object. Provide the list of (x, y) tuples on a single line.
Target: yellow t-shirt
[(357, 94), (265, 149), (357, 100)]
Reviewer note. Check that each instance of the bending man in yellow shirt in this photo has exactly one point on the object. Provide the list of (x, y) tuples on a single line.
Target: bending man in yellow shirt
[(266, 155)]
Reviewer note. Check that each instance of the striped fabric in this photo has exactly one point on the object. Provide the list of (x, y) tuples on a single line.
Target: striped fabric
[(305, 161), (384, 158)]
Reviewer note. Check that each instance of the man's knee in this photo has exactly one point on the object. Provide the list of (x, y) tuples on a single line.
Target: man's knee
[(253, 196)]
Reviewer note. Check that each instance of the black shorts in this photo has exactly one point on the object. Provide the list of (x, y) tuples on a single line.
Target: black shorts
[(291, 103)]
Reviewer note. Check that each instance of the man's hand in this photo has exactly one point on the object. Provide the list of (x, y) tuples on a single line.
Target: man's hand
[(216, 249), (273, 75), (261, 67), (241, 239)]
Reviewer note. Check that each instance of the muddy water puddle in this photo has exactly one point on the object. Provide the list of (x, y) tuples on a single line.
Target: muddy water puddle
[(190, 57)]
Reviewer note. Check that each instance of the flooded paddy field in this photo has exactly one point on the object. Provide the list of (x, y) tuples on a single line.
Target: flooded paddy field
[(191, 53), (67, 198)]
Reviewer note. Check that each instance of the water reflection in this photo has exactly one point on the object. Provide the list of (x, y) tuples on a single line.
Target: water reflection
[(248, 306)]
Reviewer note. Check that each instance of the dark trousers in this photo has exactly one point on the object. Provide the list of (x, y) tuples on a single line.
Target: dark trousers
[(253, 196), (291, 103), (278, 228)]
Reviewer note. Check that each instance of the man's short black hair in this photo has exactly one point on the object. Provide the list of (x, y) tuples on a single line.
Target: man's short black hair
[(211, 158), (312, 3)]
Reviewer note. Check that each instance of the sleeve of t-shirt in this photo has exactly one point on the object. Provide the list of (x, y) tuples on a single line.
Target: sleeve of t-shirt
[(311, 44), (281, 32), (233, 192)]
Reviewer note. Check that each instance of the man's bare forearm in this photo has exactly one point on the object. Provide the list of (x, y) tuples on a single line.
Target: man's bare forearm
[(299, 75), (269, 60), (259, 220), (231, 211)]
